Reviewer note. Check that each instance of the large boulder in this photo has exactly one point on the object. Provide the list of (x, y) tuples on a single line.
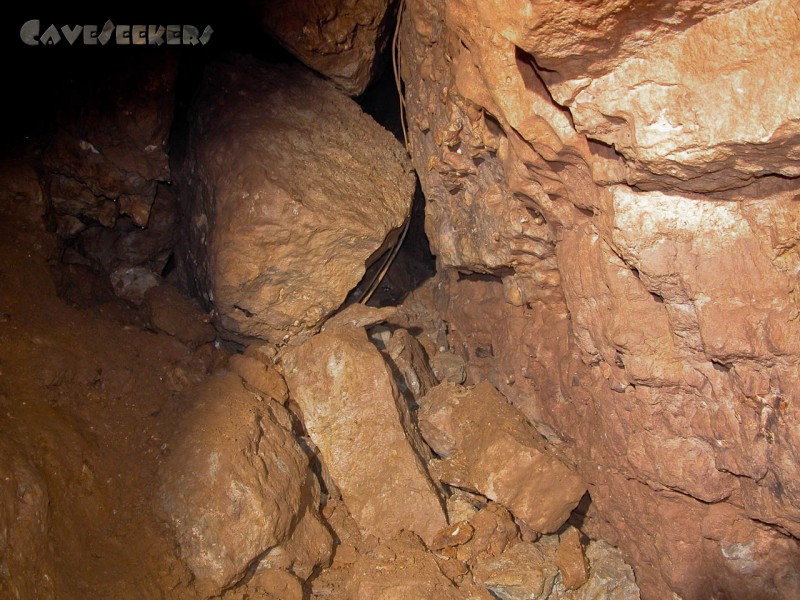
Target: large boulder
[(237, 486), (361, 424), (491, 448), (290, 190), (343, 40)]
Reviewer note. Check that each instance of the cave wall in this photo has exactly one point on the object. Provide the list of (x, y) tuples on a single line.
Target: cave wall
[(612, 199)]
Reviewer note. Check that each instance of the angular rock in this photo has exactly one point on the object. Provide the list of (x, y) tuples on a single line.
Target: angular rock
[(694, 113), (345, 41), (500, 454), (235, 484), (172, 313), (401, 569), (411, 361), (291, 190), (493, 530), (571, 560), (448, 366), (356, 416), (610, 577), (261, 377), (521, 572), (109, 155)]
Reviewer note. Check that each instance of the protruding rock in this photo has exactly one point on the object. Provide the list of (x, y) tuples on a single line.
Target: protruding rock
[(356, 416), (571, 560), (499, 454), (344, 41), (235, 484), (291, 191)]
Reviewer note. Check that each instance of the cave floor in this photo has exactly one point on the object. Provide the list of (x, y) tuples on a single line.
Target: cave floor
[(88, 398)]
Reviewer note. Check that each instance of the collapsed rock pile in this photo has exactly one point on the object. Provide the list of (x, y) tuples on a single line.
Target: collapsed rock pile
[(442, 494)]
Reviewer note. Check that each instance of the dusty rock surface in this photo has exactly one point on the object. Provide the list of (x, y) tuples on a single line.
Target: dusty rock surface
[(345, 41), (236, 483), (291, 190), (108, 155), (648, 332), (356, 416), (492, 449), (89, 399)]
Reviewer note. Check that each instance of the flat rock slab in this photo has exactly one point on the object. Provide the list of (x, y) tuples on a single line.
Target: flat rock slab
[(358, 419), (291, 191), (490, 447)]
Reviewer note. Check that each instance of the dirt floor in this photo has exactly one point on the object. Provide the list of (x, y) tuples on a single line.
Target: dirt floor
[(88, 398)]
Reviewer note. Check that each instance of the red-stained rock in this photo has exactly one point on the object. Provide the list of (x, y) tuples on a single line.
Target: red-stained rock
[(359, 421), (345, 41), (617, 241), (496, 452), (291, 190)]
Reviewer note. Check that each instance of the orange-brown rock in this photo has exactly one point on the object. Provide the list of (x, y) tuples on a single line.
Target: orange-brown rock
[(610, 195), (291, 190), (571, 559), (359, 421), (345, 41), (499, 454), (235, 487)]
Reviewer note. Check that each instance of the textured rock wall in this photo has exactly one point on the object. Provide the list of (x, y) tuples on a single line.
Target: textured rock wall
[(612, 201)]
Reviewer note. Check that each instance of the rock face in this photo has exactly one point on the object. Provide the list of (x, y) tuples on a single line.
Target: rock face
[(108, 155), (360, 422), (291, 190), (237, 485), (492, 449), (612, 198), (343, 40)]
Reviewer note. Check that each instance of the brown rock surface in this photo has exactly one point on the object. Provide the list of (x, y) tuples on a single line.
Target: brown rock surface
[(109, 154), (499, 454), (521, 572), (172, 313), (261, 377), (360, 422), (571, 559), (235, 485), (398, 569), (291, 191), (646, 331), (345, 41)]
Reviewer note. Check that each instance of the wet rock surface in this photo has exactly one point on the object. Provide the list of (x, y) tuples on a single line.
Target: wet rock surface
[(291, 190)]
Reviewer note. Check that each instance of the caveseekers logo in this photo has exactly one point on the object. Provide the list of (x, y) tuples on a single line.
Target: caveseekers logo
[(122, 35)]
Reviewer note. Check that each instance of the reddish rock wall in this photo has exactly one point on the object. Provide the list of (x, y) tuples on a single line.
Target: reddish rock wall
[(613, 205)]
